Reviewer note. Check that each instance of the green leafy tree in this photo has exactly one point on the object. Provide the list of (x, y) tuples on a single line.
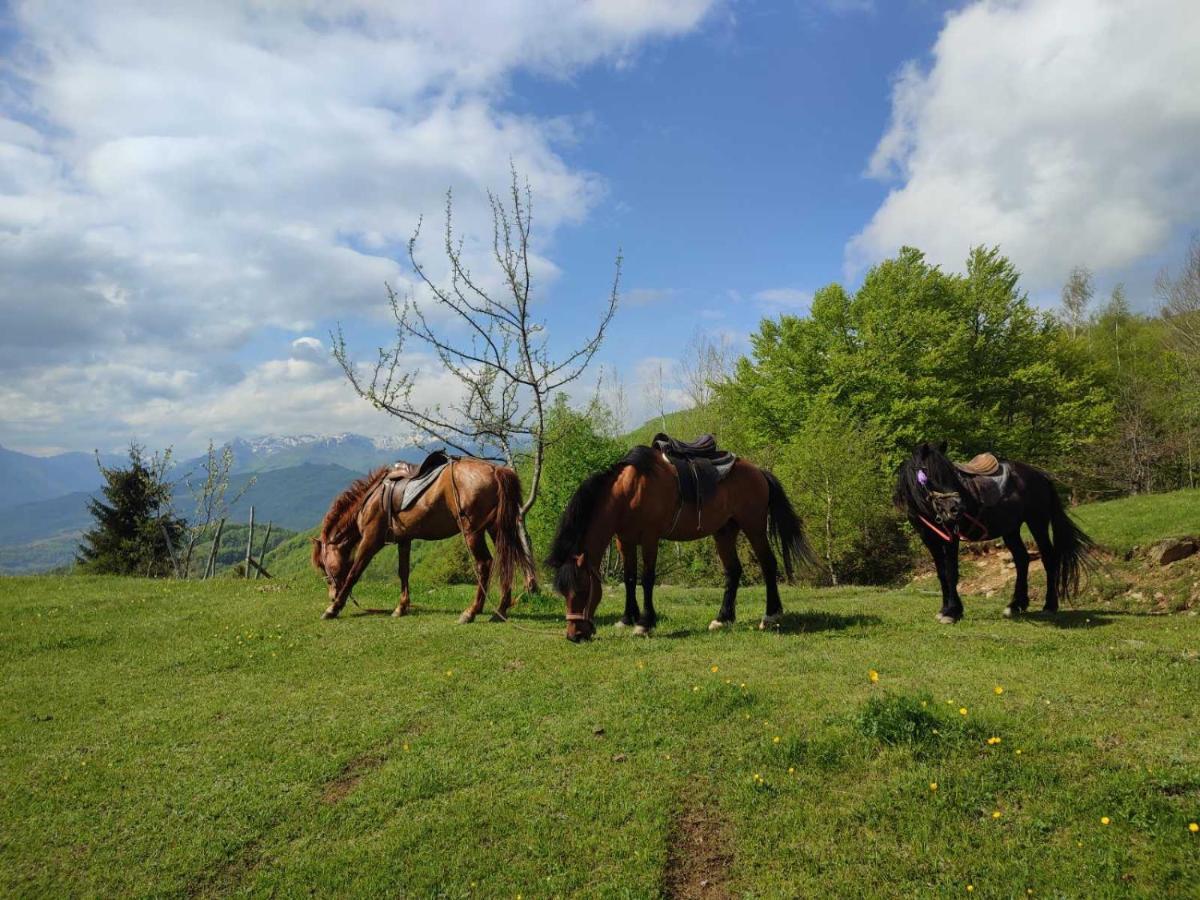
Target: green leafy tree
[(134, 521), (832, 471), (917, 354)]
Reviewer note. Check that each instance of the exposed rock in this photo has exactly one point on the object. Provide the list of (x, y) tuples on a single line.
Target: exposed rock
[(1174, 550)]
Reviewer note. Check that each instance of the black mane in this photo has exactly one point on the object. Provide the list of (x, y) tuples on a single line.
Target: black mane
[(572, 527)]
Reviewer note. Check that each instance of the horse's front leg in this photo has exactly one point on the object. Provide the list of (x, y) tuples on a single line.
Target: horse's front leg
[(367, 549), (477, 544), (629, 560), (937, 550), (403, 556), (648, 618), (952, 613)]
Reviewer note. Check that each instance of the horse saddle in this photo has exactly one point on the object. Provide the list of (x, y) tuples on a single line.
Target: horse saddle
[(412, 480), (983, 464), (699, 464)]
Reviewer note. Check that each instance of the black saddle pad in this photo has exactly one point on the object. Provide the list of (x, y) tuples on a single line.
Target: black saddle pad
[(700, 464)]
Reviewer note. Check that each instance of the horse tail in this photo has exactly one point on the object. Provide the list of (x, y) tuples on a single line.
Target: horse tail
[(510, 547), (1074, 549), (785, 527)]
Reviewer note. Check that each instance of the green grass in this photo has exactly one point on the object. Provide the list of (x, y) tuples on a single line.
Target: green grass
[(1121, 525), (210, 738)]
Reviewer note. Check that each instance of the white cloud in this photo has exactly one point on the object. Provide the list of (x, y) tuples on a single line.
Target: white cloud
[(1066, 131), (175, 179), (784, 299)]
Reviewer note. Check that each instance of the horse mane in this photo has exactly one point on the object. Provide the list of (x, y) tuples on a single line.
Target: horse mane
[(345, 506), (572, 527)]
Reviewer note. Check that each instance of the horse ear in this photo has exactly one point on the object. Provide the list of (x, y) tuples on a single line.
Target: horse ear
[(942, 448)]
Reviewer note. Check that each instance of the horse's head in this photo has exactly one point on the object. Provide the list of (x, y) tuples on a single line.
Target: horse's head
[(933, 484), (573, 579), (331, 557)]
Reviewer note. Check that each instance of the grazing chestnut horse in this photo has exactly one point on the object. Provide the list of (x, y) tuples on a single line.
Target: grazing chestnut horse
[(982, 500), (639, 501), (470, 497)]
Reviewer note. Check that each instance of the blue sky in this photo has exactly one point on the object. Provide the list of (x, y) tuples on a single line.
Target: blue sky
[(190, 199)]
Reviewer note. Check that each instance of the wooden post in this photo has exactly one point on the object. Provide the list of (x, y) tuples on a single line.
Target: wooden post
[(170, 548), (210, 569), (262, 554), (250, 542)]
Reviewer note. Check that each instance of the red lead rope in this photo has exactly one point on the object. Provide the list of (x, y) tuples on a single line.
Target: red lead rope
[(945, 537)]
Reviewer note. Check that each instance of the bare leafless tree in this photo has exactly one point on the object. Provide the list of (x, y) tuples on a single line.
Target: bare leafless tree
[(1076, 295), (504, 366), (208, 487), (1180, 296), (707, 362)]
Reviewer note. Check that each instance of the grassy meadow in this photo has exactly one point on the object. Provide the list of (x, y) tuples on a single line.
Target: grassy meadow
[(203, 739)]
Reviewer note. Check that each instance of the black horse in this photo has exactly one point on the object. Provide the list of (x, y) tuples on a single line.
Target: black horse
[(982, 500)]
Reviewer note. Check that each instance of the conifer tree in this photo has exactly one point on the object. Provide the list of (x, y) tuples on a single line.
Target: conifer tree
[(133, 520)]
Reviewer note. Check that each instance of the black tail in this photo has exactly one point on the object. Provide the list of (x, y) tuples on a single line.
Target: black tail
[(1074, 549), (785, 527)]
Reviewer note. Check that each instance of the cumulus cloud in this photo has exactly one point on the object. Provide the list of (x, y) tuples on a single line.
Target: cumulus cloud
[(1066, 131), (176, 179)]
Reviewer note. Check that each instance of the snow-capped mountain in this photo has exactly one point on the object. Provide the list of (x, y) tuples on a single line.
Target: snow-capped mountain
[(352, 451)]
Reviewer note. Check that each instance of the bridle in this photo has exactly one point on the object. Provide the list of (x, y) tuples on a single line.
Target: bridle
[(923, 480), (593, 572)]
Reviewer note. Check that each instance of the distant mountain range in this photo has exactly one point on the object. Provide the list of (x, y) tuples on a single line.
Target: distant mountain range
[(43, 500)]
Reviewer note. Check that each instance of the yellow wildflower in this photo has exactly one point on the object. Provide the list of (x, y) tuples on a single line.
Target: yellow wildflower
[(715, 670), (997, 690), (1193, 827), (933, 785), (962, 710), (997, 814), (1104, 820), (873, 676)]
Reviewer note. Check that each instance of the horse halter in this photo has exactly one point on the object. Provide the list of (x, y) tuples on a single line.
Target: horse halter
[(585, 617), (923, 480)]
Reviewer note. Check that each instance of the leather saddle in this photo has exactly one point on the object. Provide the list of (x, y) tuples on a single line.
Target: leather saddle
[(699, 465), (409, 480), (984, 464)]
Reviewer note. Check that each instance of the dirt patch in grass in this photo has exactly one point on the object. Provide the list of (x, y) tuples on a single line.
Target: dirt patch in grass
[(352, 773), (224, 879), (699, 854)]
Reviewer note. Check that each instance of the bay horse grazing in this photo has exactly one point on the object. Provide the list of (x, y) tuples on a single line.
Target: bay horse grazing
[(982, 500), (639, 501), (469, 497)]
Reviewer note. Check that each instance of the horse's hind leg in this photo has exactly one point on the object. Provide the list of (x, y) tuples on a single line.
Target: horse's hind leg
[(628, 553), (770, 569), (477, 544), (1020, 557), (506, 597), (1041, 535), (726, 541), (403, 556), (648, 618)]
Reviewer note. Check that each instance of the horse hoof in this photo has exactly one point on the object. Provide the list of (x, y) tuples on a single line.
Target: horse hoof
[(1009, 612), (496, 617), (717, 625), (770, 622), (945, 619), (641, 630), (466, 618), (329, 614), (620, 623)]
